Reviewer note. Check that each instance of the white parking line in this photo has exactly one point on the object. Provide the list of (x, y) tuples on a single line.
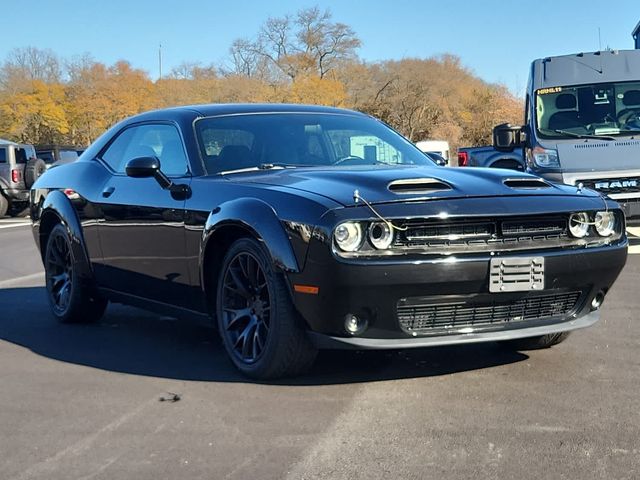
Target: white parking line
[(14, 225), (15, 282)]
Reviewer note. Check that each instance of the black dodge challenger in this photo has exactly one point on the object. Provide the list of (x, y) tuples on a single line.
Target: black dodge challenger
[(300, 227)]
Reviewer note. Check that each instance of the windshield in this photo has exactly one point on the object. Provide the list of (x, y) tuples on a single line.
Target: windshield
[(287, 140), (604, 109)]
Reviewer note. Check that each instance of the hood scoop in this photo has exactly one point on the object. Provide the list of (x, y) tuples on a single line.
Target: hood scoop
[(418, 186), (527, 183)]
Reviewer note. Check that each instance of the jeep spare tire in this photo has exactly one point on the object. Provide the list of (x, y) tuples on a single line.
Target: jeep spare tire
[(35, 167)]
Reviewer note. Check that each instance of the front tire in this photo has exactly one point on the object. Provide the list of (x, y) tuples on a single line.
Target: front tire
[(260, 328), (536, 343), (70, 298)]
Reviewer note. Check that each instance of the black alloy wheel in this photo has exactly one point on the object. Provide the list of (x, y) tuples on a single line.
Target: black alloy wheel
[(261, 330), (59, 272), (72, 299), (246, 307)]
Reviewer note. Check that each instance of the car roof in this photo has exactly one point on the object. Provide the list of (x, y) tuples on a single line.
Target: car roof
[(210, 110)]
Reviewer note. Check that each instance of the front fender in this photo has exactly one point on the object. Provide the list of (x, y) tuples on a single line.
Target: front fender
[(54, 208), (258, 218)]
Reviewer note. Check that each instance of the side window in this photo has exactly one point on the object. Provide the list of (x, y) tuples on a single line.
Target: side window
[(46, 156), (3, 155), (21, 156), (161, 141)]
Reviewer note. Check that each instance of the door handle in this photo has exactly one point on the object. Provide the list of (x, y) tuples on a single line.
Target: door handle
[(106, 193)]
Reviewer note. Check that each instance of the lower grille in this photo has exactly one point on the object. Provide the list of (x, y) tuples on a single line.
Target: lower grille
[(418, 317)]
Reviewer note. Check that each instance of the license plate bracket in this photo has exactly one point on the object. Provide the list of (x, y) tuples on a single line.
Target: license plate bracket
[(516, 274)]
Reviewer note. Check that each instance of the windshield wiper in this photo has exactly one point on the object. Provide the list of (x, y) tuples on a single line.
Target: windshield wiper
[(626, 130), (271, 166), (267, 166), (583, 135)]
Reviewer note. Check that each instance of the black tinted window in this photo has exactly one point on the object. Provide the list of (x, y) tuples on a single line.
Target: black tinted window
[(161, 141), (3, 155), (47, 156), (21, 155)]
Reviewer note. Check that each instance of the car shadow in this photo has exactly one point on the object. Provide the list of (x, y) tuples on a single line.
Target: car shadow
[(132, 341)]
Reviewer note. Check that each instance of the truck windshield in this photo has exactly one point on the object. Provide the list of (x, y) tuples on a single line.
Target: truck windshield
[(603, 109)]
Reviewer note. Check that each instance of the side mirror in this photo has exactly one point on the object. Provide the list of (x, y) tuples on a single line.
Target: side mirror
[(507, 137), (147, 167), (143, 167)]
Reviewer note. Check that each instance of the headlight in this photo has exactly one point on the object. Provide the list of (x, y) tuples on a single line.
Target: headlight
[(348, 236), (605, 223), (579, 224), (380, 235), (545, 158)]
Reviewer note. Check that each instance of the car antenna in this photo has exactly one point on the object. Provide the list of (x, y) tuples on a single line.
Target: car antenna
[(357, 197)]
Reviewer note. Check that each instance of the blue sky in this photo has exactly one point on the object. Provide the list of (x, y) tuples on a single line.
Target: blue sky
[(495, 39)]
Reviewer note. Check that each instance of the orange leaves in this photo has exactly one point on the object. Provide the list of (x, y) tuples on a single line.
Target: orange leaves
[(36, 112), (319, 91)]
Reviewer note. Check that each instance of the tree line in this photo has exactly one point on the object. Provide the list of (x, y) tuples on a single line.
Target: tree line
[(306, 57)]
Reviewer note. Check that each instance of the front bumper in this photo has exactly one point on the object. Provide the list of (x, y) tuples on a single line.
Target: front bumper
[(372, 289), (359, 343)]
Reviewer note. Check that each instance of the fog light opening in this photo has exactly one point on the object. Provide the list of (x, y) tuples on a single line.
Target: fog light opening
[(597, 300), (354, 325)]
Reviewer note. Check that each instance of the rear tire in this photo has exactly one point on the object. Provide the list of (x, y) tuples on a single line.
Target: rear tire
[(261, 330), (33, 170), (70, 298), (536, 343), (4, 205)]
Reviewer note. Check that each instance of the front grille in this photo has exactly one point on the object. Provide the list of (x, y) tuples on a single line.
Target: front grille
[(418, 233), (416, 315), (500, 234)]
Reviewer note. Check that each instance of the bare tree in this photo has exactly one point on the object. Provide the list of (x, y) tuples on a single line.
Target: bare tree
[(28, 64), (308, 43), (193, 71)]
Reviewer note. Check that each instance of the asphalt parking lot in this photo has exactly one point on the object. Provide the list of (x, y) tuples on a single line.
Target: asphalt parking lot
[(86, 401)]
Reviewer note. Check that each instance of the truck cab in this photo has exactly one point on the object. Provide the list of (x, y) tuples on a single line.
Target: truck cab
[(582, 124)]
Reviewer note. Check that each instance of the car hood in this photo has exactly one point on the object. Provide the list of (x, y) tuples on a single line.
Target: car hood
[(397, 184)]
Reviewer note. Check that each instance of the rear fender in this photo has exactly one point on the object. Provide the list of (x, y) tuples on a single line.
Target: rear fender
[(57, 208)]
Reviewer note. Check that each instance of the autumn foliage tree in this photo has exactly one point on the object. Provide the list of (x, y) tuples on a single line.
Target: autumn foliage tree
[(305, 57)]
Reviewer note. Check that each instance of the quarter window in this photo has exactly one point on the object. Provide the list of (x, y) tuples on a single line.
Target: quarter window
[(161, 141)]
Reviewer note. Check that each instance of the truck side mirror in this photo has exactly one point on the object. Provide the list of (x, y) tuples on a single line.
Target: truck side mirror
[(507, 137)]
